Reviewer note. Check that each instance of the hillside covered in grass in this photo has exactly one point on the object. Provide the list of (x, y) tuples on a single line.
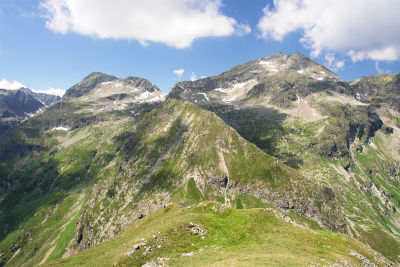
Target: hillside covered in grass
[(81, 187), (211, 233), (277, 161)]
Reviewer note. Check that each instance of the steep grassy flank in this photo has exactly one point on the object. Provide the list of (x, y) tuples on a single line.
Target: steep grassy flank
[(359, 161), (348, 150), (126, 168), (254, 237)]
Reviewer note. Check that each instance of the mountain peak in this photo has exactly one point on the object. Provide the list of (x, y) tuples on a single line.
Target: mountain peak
[(88, 83), (101, 92), (278, 79), (297, 54), (97, 74)]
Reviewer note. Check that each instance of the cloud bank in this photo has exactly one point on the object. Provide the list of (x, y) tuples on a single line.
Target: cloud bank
[(361, 29), (14, 85), (176, 23), (51, 91)]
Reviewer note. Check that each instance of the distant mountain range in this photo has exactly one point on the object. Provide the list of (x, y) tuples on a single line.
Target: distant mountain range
[(46, 99), (274, 162), (17, 105)]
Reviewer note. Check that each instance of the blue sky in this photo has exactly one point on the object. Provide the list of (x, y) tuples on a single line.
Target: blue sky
[(48, 44)]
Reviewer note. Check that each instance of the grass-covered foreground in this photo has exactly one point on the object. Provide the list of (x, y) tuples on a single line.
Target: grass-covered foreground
[(211, 234)]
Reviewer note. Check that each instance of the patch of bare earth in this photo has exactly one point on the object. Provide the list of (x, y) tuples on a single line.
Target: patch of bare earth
[(306, 112), (69, 140)]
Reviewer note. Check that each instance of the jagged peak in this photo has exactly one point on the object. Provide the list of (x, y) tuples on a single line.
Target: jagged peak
[(88, 84), (141, 82), (105, 92), (98, 74), (297, 54)]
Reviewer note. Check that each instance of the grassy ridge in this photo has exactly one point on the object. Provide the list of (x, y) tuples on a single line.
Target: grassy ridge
[(253, 237)]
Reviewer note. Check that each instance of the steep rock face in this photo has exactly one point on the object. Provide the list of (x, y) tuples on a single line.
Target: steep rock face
[(16, 106), (379, 89), (347, 124), (21, 104), (15, 103), (278, 79), (46, 99)]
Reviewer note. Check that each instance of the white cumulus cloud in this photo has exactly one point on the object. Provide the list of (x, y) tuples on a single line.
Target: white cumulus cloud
[(333, 63), (179, 72), (176, 23), (193, 77), (5, 84), (52, 91), (361, 29)]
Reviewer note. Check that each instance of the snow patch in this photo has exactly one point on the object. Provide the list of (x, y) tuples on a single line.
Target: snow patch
[(235, 86), (300, 71), (105, 83), (143, 95), (30, 115), (240, 85), (118, 84), (61, 128), (317, 77), (205, 96), (229, 99), (149, 97), (222, 90), (270, 65)]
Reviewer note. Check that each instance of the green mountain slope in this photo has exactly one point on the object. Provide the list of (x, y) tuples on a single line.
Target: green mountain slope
[(277, 161), (211, 234), (322, 128), (82, 187)]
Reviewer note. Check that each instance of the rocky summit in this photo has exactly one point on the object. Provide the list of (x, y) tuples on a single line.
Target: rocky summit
[(274, 162), (278, 79)]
